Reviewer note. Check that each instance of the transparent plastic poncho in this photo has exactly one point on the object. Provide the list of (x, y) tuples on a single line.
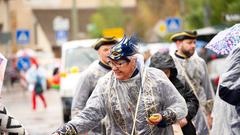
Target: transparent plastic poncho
[(118, 99), (226, 117)]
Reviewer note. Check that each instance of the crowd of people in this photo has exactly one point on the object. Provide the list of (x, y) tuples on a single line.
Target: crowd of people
[(118, 94)]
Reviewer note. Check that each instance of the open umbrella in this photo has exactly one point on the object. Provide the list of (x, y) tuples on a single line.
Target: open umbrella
[(26, 57), (225, 40), (3, 64)]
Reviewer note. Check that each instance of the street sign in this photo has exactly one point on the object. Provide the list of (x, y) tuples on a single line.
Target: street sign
[(61, 36), (160, 28), (116, 32), (232, 17), (173, 24), (5, 37), (61, 27), (60, 23), (22, 37)]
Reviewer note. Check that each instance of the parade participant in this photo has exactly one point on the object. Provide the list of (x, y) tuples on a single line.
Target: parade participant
[(226, 111), (164, 62), (90, 76), (136, 100), (8, 124), (194, 70)]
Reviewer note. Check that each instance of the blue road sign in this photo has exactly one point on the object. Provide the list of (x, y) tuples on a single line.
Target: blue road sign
[(23, 37), (61, 36), (173, 24)]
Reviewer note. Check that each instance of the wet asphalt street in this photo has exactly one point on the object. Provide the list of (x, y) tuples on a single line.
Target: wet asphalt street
[(39, 122)]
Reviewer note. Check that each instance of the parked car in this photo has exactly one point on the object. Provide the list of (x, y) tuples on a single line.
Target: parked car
[(76, 56)]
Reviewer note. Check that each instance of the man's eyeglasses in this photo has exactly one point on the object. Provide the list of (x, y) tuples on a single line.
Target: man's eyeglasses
[(117, 64)]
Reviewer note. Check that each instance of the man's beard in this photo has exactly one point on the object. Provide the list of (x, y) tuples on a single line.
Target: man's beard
[(188, 54)]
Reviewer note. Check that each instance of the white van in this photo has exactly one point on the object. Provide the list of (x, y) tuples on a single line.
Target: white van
[(76, 56)]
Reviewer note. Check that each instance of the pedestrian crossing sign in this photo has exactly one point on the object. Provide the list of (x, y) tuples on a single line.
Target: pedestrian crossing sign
[(173, 24), (23, 37), (61, 36)]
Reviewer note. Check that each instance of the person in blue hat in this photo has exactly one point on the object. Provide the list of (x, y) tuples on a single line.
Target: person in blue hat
[(136, 99)]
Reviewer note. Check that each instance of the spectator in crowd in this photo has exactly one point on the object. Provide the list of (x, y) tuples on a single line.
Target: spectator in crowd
[(36, 79)]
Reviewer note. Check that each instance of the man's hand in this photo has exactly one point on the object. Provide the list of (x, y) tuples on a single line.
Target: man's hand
[(66, 129), (154, 119), (182, 122)]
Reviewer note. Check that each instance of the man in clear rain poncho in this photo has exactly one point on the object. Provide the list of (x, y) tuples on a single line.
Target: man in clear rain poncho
[(136, 99), (194, 70), (226, 110), (90, 76)]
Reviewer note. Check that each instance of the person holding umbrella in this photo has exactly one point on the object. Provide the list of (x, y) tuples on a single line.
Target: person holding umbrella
[(226, 113), (8, 124), (226, 110), (136, 99)]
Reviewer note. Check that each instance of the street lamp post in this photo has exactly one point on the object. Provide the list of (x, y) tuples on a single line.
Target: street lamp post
[(74, 20), (182, 10), (206, 13)]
